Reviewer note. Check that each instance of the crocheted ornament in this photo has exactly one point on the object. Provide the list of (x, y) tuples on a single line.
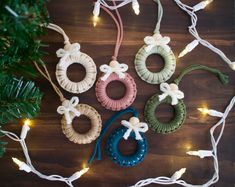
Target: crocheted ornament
[(83, 85), (71, 108), (133, 129), (116, 104), (115, 71), (92, 134), (156, 44), (172, 95), (69, 55), (125, 160)]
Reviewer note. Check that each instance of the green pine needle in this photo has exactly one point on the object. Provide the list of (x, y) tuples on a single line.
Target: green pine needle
[(2, 144), (18, 99)]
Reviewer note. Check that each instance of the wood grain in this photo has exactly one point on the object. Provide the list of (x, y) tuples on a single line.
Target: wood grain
[(53, 153)]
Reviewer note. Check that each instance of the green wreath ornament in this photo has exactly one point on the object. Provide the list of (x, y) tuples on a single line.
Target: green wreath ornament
[(172, 95)]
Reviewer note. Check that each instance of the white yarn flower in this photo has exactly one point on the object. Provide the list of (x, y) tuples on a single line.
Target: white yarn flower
[(68, 50), (113, 67), (157, 40), (136, 126), (67, 107), (171, 90)]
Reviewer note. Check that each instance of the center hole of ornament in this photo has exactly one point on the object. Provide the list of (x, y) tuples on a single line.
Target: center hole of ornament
[(76, 72), (127, 147), (165, 112), (116, 90), (155, 63), (81, 124)]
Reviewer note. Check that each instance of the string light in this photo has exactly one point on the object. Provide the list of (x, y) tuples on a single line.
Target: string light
[(96, 13), (203, 110), (27, 122), (98, 3), (200, 153), (28, 167), (178, 174), (78, 174), (136, 7), (201, 5), (25, 129), (189, 48), (22, 166), (193, 31), (210, 112)]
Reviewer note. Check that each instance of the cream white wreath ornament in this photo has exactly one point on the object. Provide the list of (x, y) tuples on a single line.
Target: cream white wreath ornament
[(69, 55)]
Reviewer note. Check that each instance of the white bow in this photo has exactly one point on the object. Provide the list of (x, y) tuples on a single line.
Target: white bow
[(157, 40), (134, 125), (69, 49), (67, 107), (113, 67), (171, 90)]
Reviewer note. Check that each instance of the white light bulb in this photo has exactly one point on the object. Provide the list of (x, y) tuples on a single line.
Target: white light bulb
[(201, 5), (78, 174), (189, 48), (208, 1), (201, 153), (232, 66), (136, 7), (22, 166), (178, 174), (24, 131), (96, 13), (203, 110)]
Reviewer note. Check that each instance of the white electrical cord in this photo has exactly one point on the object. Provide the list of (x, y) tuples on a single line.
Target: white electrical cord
[(114, 6), (191, 11), (28, 166), (201, 153)]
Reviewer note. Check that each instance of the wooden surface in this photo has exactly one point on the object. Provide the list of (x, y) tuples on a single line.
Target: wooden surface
[(53, 153)]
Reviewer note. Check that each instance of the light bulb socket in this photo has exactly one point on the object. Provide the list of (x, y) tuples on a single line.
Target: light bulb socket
[(96, 10), (24, 131)]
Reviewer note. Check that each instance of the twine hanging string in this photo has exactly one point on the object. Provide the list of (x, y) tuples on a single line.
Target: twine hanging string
[(119, 25), (46, 74), (59, 30)]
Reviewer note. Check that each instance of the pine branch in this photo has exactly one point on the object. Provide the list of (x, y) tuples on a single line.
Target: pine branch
[(20, 29), (18, 99)]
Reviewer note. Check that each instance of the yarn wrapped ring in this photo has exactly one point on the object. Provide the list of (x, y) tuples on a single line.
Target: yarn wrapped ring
[(125, 160), (155, 124), (159, 77), (119, 104), (92, 134), (85, 84)]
